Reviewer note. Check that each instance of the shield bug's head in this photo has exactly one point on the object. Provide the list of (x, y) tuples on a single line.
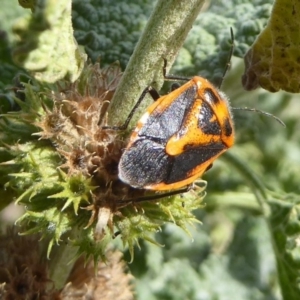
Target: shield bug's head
[(178, 138)]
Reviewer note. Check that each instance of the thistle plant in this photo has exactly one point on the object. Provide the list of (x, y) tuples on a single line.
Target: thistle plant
[(60, 160), (59, 154)]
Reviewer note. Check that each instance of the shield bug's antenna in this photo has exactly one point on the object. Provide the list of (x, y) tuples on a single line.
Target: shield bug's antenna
[(260, 112)]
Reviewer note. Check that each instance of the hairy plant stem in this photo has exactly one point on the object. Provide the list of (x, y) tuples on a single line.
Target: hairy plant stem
[(166, 30)]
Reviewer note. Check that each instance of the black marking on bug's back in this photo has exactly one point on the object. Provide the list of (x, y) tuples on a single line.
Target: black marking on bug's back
[(227, 127), (204, 123), (210, 96), (162, 125), (184, 163), (144, 163)]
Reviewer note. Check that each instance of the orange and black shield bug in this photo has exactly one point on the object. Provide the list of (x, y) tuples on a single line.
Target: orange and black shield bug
[(178, 138)]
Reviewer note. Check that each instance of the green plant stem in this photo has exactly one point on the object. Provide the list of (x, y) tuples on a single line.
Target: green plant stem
[(246, 201), (61, 263), (257, 186), (163, 36)]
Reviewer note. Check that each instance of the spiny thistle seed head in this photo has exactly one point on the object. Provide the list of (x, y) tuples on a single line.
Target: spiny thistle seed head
[(23, 274), (74, 125)]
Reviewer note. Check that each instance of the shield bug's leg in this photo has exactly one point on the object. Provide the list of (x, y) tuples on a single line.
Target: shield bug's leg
[(153, 93), (172, 77), (183, 78), (154, 197)]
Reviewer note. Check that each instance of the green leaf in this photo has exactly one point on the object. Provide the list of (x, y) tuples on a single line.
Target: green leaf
[(273, 61), (285, 228), (76, 189), (46, 44)]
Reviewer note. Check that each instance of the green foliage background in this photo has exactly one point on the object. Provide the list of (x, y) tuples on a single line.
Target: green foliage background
[(247, 246)]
